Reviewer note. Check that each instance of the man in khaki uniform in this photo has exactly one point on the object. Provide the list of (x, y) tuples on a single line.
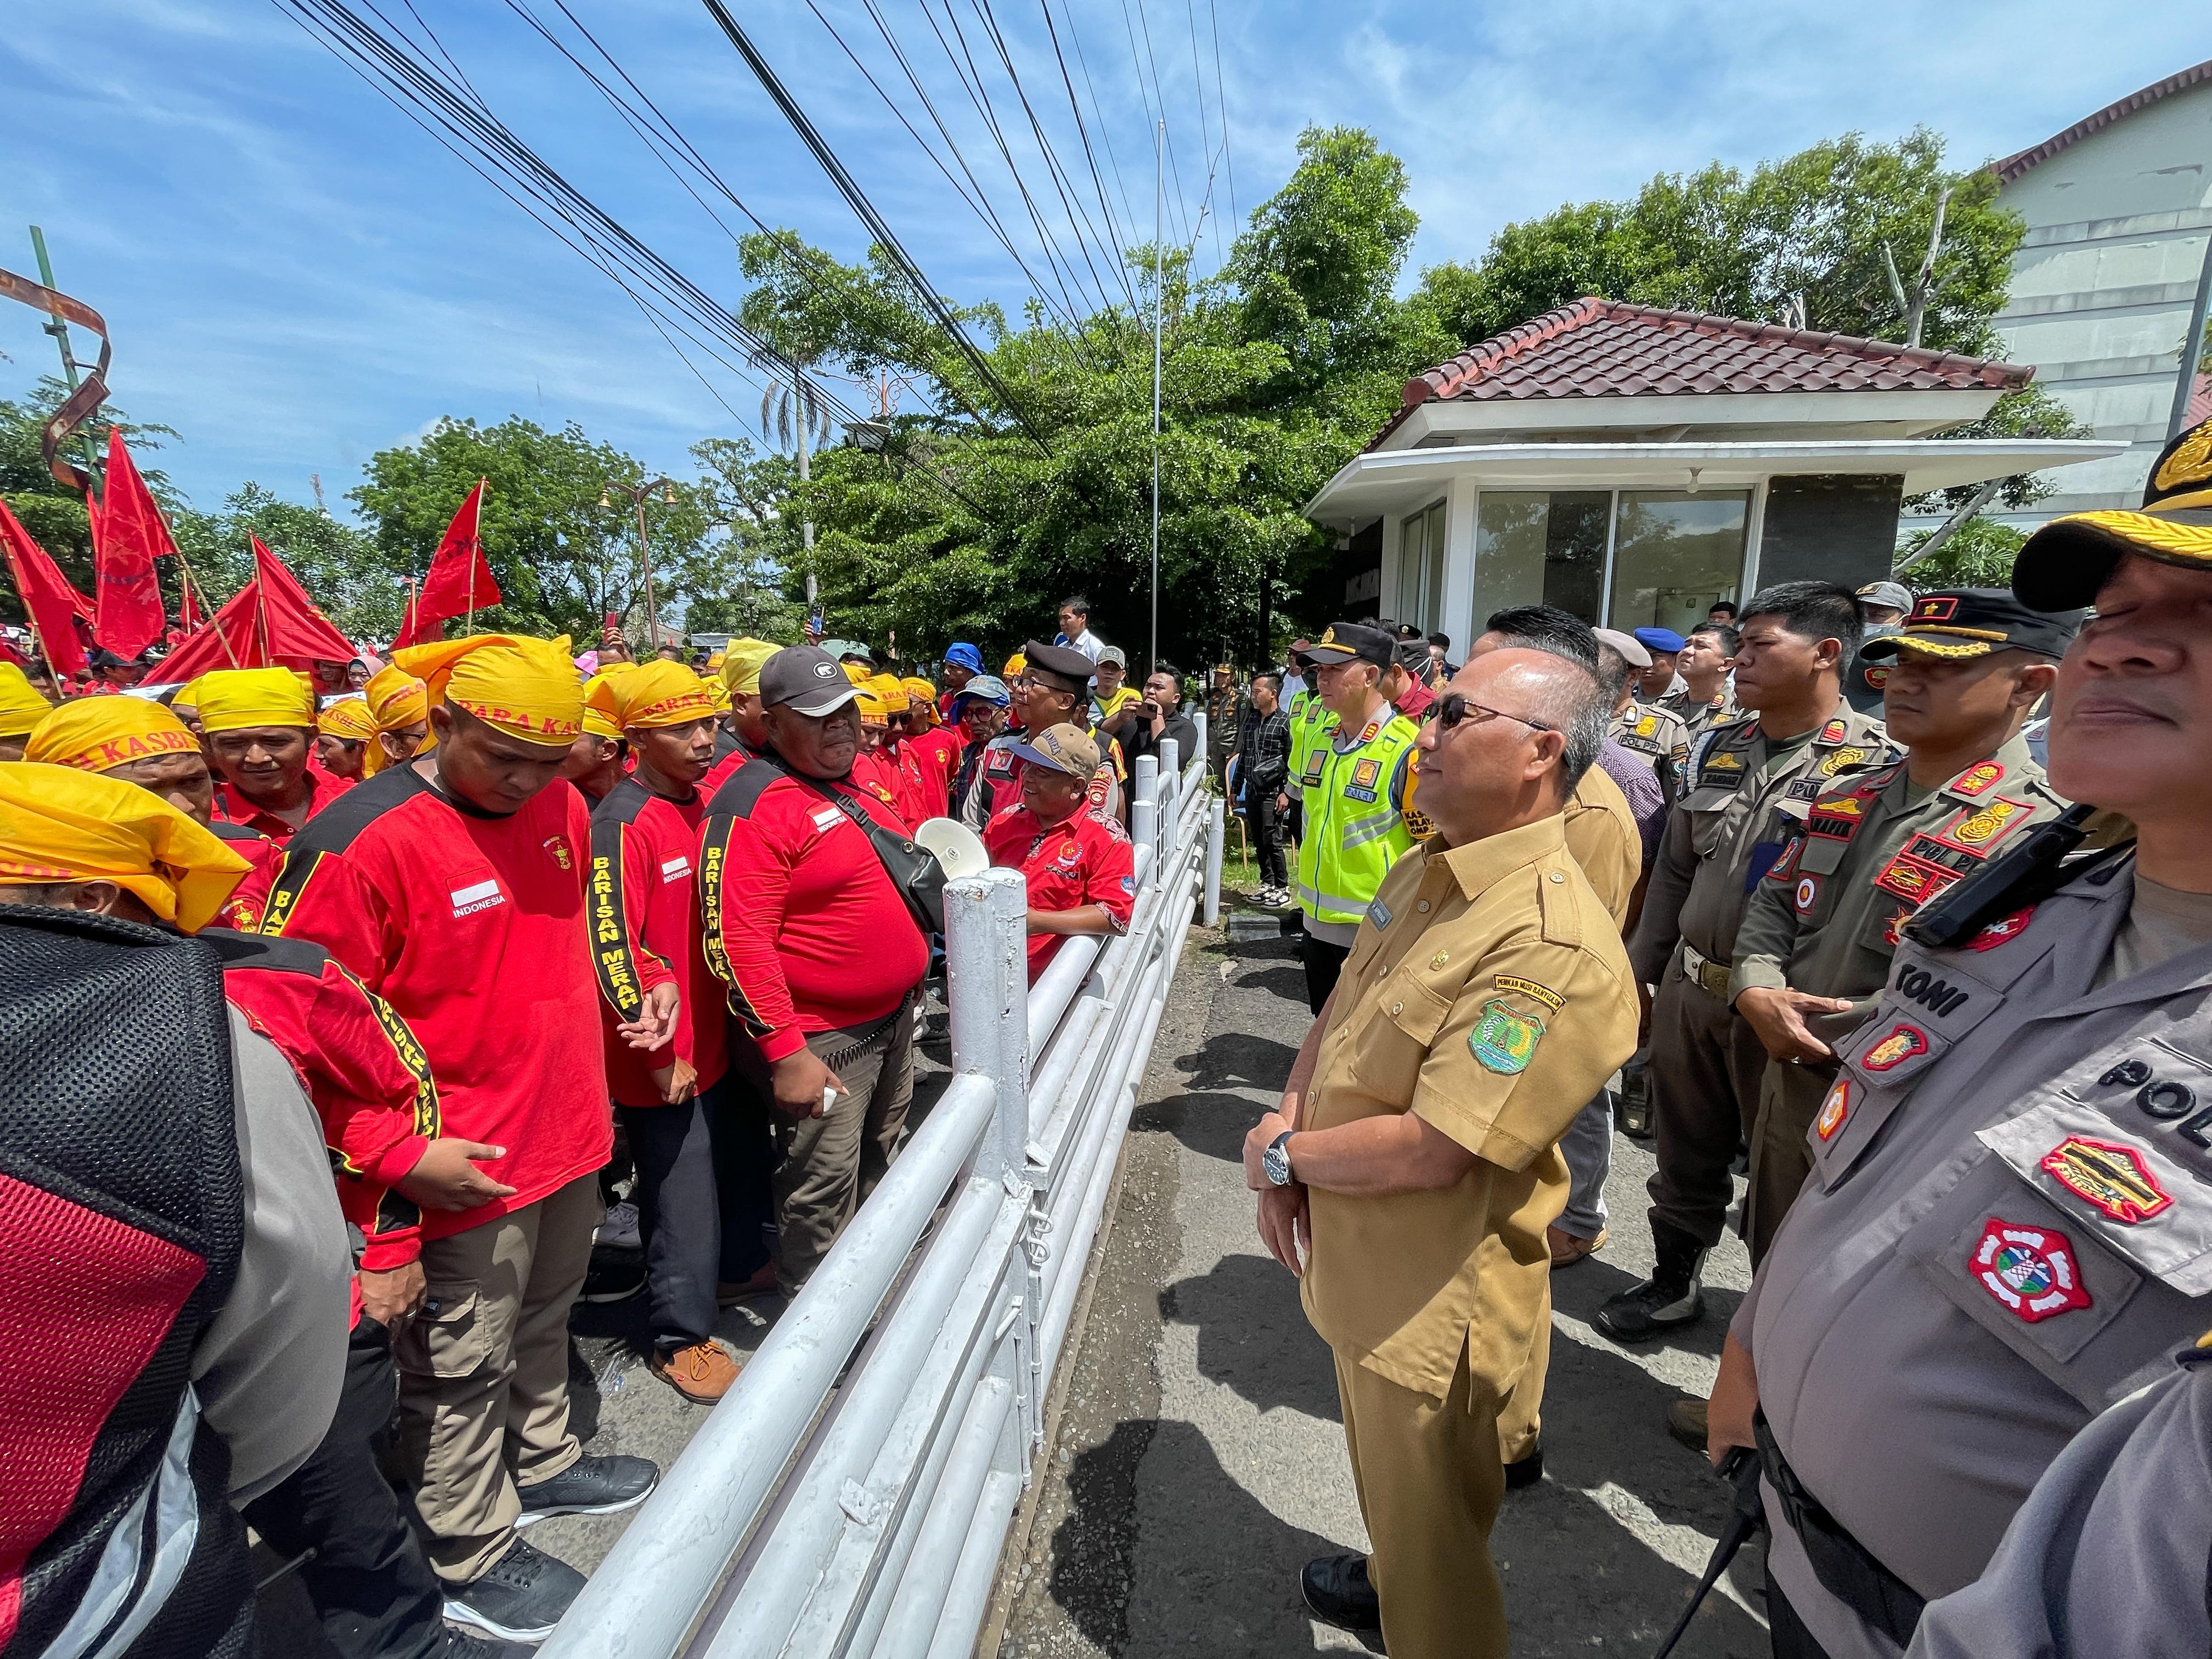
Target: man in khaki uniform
[(1652, 732), (1817, 935), (1706, 697), (1722, 838), (1485, 997)]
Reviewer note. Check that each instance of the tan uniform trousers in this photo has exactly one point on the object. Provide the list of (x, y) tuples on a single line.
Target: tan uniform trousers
[(832, 1163), (483, 1372), (1704, 1072), (1790, 1098), (1430, 1486)]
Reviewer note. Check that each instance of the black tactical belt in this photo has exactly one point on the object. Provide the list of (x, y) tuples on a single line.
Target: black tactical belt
[(853, 1047), (1845, 1568)]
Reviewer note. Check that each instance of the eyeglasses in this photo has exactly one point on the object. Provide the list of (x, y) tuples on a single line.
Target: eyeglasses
[(1454, 707)]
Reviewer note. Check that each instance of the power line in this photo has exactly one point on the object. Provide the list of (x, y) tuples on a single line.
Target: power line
[(1205, 139), (1075, 108), (1159, 91), (1105, 128), (882, 232), (1221, 103)]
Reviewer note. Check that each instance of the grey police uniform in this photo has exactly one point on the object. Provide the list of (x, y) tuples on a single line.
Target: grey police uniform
[(1722, 837), (1825, 921), (1964, 1285), (2109, 1554)]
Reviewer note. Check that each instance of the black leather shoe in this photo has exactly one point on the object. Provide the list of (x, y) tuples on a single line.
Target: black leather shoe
[(1337, 1589), (590, 1485), (467, 1644), (1524, 1473), (518, 1598), (1671, 1297)]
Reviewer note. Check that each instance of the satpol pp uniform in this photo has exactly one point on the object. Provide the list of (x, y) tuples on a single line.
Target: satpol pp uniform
[(1488, 993)]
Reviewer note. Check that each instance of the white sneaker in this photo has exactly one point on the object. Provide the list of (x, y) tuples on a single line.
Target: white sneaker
[(620, 1228)]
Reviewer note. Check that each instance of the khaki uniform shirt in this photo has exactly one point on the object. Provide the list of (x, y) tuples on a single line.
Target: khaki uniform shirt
[(1600, 833), (1826, 919), (2007, 1228), (1656, 735), (1487, 991), (1728, 828), (1701, 717)]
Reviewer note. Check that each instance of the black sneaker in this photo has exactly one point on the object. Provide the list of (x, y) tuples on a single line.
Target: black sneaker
[(518, 1598), (590, 1485), (467, 1644), (1337, 1589), (613, 1276), (1671, 1297), (1525, 1472)]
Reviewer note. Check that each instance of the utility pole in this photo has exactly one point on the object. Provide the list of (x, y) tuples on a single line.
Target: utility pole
[(637, 492), (804, 414), (1159, 299), (59, 330)]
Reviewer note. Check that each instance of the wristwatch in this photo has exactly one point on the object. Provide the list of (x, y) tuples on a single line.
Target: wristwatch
[(1276, 1160)]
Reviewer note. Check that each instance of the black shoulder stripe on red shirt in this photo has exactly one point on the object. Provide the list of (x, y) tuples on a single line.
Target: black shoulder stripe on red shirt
[(224, 829), (608, 899), (713, 855), (620, 803), (741, 793), (333, 830), (287, 956)]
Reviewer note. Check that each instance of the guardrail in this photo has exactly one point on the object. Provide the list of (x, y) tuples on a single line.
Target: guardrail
[(851, 1494)]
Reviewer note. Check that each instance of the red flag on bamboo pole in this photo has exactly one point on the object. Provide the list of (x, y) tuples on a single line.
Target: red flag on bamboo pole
[(52, 605), (459, 581), (127, 536), (270, 620)]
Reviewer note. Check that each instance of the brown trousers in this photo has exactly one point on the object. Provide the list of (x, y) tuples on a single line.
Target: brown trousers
[(1703, 1075), (832, 1163), (1790, 1098), (1430, 1486), (484, 1373)]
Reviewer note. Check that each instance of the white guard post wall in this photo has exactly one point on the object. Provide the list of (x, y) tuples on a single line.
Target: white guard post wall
[(817, 1514)]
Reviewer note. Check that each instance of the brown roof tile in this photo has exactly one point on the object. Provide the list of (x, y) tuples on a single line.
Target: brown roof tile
[(2015, 165)]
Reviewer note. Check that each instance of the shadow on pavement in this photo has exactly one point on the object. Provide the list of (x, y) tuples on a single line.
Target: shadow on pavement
[(1252, 1336), (1239, 1598), (1580, 1290), (1212, 1125), (1238, 1060)]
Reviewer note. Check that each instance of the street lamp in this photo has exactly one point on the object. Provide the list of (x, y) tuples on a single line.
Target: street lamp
[(637, 492)]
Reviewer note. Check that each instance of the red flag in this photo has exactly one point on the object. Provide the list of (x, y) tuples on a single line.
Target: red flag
[(127, 536), (269, 621), (188, 607), (52, 603), (459, 581)]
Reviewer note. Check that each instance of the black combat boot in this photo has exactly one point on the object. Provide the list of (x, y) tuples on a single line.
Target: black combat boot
[(1671, 1297)]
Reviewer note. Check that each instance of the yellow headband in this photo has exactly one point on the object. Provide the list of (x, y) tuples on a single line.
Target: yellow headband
[(59, 825), (21, 708), (741, 665), (891, 689), (526, 688), (233, 699), (657, 693), (857, 672), (598, 722), (396, 699), (920, 690), (96, 733), (350, 718)]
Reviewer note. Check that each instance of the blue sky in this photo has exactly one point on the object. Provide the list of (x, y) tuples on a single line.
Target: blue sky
[(295, 276)]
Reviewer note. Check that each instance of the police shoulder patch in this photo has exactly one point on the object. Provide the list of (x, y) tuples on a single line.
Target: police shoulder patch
[(1504, 1039)]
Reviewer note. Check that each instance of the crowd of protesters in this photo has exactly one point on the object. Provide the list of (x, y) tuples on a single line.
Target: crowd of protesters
[(566, 952)]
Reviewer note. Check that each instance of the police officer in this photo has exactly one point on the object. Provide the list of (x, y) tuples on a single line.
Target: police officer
[(1054, 690), (1703, 664), (1883, 604), (1224, 721), (1652, 732), (1357, 776), (1722, 838), (1817, 935), (2001, 1235), (1414, 1153), (1309, 715)]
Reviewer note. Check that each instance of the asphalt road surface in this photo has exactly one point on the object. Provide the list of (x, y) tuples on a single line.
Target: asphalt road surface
[(1199, 1462)]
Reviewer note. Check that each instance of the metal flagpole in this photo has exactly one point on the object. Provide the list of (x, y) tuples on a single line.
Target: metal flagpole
[(1159, 296)]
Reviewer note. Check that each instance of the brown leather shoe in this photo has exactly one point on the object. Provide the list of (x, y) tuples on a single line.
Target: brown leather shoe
[(1567, 1249), (1686, 1421), (763, 1283), (701, 1373)]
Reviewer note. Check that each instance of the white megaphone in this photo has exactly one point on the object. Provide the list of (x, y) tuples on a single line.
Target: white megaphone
[(958, 848)]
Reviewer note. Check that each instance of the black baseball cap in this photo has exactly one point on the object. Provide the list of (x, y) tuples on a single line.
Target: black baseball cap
[(1972, 621), (2061, 566), (1059, 662), (1344, 641), (806, 679)]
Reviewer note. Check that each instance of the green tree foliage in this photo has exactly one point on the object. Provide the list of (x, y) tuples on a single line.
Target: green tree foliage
[(1980, 554), (335, 562)]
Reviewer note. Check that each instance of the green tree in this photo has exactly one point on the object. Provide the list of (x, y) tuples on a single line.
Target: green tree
[(335, 562), (1978, 555)]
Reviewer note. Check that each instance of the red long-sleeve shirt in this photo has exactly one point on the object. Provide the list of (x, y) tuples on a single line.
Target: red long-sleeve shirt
[(729, 756), (243, 908), (472, 925), (878, 773), (930, 759), (801, 921), (645, 908), (1079, 860)]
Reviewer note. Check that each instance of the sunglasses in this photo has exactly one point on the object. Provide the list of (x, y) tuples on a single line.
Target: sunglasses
[(1454, 707)]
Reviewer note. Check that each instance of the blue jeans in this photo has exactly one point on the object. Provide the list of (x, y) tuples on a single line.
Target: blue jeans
[(1587, 1148)]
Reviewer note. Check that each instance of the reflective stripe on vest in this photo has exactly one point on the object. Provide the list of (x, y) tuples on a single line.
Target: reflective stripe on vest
[(1349, 844)]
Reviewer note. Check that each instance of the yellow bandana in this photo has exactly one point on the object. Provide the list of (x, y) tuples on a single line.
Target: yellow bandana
[(233, 699), (658, 693), (96, 733), (526, 688), (21, 708), (59, 825), (597, 721), (349, 718), (397, 699), (890, 690), (741, 665)]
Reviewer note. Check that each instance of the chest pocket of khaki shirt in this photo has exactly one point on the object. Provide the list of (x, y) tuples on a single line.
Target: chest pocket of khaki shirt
[(1708, 811), (1394, 1035), (2046, 1286)]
